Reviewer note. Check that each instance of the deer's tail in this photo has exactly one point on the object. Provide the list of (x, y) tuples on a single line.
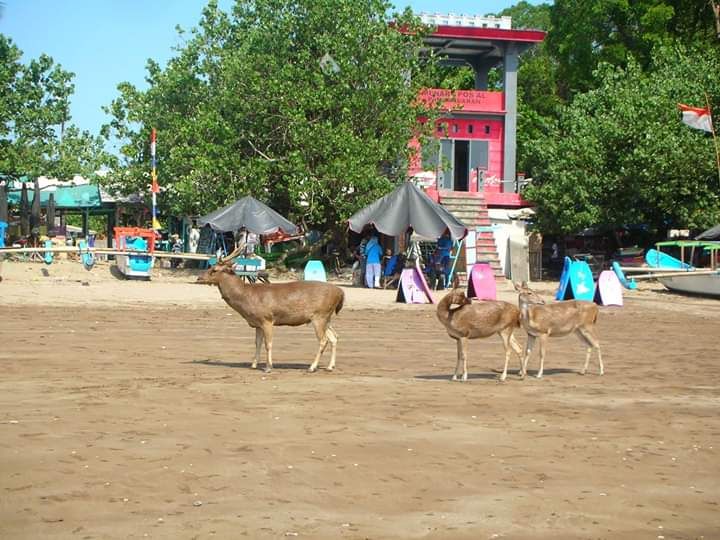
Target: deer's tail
[(339, 305)]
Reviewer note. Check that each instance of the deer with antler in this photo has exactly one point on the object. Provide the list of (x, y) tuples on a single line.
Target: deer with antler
[(266, 305), (471, 320), (541, 321)]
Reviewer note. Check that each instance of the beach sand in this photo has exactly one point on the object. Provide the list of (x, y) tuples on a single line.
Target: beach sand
[(128, 410)]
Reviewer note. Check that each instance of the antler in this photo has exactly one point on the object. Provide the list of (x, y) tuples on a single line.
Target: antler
[(228, 258)]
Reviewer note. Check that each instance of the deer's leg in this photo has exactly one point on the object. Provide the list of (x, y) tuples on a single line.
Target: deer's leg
[(267, 330), (321, 332), (529, 344), (464, 342), (516, 347), (333, 339), (543, 343), (458, 343), (258, 347), (506, 336), (588, 336)]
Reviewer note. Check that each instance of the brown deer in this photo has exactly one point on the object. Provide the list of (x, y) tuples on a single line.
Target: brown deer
[(471, 320), (541, 320), (266, 305)]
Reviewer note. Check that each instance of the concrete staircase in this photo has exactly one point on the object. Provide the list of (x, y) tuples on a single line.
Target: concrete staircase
[(471, 209)]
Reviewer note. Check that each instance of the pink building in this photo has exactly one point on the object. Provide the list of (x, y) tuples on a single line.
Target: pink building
[(471, 168)]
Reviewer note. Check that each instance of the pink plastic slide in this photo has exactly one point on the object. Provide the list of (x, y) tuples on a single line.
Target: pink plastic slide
[(481, 284)]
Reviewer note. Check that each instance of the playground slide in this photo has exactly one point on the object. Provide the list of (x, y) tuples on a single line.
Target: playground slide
[(314, 271), (628, 284), (481, 284), (581, 281)]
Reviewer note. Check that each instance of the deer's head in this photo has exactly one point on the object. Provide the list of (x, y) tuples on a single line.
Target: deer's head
[(224, 266), (526, 295), (457, 295), (212, 275)]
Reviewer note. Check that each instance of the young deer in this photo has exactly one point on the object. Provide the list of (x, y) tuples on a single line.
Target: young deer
[(265, 305), (541, 320), (478, 320)]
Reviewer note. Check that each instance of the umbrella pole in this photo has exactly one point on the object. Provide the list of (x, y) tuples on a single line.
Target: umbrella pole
[(455, 259)]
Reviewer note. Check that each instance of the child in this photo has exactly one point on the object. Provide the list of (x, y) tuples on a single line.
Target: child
[(177, 247)]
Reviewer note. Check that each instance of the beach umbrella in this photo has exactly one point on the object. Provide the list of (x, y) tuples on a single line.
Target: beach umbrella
[(24, 211), (250, 214), (711, 234), (50, 215), (408, 206), (35, 209), (3, 204)]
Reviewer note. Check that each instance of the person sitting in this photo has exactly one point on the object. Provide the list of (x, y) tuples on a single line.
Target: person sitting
[(391, 269), (436, 271)]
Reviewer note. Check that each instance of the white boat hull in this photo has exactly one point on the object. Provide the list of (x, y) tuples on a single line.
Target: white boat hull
[(706, 285)]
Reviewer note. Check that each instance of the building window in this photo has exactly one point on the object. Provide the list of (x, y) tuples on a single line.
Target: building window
[(456, 129), (487, 130), (470, 128)]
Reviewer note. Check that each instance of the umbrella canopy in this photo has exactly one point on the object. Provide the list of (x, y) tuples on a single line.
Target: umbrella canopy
[(711, 234), (3, 204), (250, 214), (35, 209), (408, 206), (24, 211), (50, 215)]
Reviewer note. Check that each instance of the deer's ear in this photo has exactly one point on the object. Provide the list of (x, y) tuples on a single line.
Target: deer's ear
[(456, 282), (517, 287), (524, 285)]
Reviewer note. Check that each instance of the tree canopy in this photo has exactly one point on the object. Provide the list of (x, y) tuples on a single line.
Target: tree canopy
[(306, 104), (36, 137), (619, 154)]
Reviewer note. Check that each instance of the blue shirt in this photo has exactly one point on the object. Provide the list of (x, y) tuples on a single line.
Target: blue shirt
[(373, 251), (444, 246)]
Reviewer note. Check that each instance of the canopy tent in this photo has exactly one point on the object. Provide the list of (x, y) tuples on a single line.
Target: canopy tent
[(408, 206), (250, 214), (711, 234)]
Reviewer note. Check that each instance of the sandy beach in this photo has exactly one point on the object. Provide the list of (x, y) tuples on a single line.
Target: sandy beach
[(128, 409)]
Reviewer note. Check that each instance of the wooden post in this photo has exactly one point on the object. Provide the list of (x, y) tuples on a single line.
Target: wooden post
[(712, 127)]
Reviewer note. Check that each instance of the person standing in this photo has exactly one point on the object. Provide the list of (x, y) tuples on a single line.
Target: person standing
[(444, 248), (193, 238), (373, 256)]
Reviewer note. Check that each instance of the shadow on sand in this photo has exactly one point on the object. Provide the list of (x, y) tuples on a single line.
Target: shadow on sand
[(495, 373), (246, 365)]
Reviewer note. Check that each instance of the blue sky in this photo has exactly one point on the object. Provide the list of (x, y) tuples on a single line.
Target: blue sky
[(105, 42)]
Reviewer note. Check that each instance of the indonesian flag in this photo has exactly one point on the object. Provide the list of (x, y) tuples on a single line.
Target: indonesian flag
[(696, 117)]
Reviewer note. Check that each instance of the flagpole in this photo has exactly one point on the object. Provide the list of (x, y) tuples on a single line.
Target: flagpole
[(155, 187), (712, 131)]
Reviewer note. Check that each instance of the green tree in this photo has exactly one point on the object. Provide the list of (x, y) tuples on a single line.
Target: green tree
[(620, 155), (35, 135), (305, 104), (586, 33)]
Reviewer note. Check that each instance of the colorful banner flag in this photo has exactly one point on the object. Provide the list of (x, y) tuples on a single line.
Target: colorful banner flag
[(155, 188), (153, 142), (696, 117)]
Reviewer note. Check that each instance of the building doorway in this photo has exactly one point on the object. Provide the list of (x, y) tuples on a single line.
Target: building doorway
[(461, 165)]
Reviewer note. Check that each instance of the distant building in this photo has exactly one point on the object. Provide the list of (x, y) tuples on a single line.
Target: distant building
[(471, 166)]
